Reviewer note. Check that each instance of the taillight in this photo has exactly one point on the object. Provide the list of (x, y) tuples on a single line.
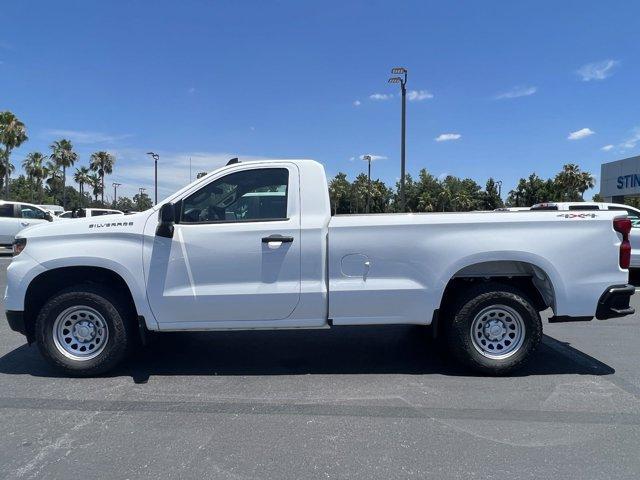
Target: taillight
[(623, 226), (18, 246)]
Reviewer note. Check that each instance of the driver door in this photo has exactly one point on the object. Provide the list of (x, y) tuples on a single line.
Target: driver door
[(235, 252)]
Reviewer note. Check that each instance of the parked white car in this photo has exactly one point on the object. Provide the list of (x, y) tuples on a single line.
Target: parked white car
[(254, 246), (55, 209), (90, 212), (632, 212), (512, 209), (16, 216)]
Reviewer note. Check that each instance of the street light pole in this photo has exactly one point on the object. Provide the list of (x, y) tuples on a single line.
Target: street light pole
[(402, 80), (499, 183), (367, 158), (155, 157), (115, 192)]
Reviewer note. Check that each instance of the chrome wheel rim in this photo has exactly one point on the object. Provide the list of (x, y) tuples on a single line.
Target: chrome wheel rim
[(497, 332), (80, 333)]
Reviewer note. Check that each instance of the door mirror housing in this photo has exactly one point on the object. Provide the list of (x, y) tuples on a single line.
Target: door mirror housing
[(166, 220), (48, 216)]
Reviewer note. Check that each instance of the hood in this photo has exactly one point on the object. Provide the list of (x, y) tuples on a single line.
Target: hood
[(101, 225)]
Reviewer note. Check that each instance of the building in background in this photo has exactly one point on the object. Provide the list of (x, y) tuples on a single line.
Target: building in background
[(620, 179)]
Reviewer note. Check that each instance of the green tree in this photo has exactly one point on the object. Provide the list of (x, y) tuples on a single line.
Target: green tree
[(571, 183), (13, 133), (81, 177), (142, 201), (597, 198), (34, 167), (490, 197), (532, 190), (102, 163), (339, 191), (124, 204), (96, 185), (63, 155)]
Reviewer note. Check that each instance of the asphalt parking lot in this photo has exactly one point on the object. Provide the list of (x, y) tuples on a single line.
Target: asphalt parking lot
[(357, 402)]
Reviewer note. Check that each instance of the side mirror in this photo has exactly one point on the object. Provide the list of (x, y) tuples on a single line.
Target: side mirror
[(166, 219), (48, 217)]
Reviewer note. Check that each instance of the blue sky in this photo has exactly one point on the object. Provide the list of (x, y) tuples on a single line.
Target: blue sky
[(506, 83)]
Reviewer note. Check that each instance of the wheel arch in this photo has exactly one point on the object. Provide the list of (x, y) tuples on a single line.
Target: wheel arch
[(51, 281), (540, 283)]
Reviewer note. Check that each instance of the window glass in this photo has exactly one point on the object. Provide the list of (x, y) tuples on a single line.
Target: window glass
[(6, 210), (249, 195), (98, 213), (632, 214), (584, 207), (545, 207), (27, 211), (66, 215)]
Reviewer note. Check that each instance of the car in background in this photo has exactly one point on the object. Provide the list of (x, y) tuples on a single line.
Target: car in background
[(55, 209), (90, 212), (632, 212), (16, 216), (512, 209)]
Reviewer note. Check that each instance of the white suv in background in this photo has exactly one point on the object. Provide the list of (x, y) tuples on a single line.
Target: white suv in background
[(632, 212), (16, 216)]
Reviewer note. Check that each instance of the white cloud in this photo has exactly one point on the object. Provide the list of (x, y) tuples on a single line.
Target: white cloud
[(597, 70), (446, 137), (632, 141), (419, 95), (357, 103), (381, 96), (516, 92), (582, 133), (84, 137), (606, 148), (373, 157)]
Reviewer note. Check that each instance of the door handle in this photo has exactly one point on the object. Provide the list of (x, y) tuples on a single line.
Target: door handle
[(277, 238)]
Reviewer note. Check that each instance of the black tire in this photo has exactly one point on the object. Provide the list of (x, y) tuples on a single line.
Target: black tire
[(476, 300), (116, 314)]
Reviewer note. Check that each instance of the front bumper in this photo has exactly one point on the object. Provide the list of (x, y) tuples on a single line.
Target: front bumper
[(614, 302), (16, 321)]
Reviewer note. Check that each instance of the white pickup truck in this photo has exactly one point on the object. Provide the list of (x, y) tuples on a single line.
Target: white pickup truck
[(253, 246)]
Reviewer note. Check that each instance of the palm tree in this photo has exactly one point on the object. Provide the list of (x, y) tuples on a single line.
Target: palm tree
[(81, 177), (35, 169), (102, 163), (96, 184), (64, 156), (13, 133)]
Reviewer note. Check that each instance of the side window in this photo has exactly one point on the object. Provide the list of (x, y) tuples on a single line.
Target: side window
[(632, 214), (6, 210), (66, 215), (584, 207), (249, 195), (27, 211), (98, 213)]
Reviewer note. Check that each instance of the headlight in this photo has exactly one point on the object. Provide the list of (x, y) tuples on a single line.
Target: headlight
[(18, 246)]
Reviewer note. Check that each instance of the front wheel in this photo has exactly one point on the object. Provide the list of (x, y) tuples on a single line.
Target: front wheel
[(494, 329), (84, 331)]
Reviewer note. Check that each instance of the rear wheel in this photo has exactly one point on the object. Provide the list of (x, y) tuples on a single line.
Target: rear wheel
[(494, 329), (84, 330)]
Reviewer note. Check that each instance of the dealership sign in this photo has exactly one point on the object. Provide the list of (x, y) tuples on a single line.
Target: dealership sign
[(628, 181)]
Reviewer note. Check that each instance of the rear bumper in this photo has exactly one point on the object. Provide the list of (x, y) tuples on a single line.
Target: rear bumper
[(614, 302)]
